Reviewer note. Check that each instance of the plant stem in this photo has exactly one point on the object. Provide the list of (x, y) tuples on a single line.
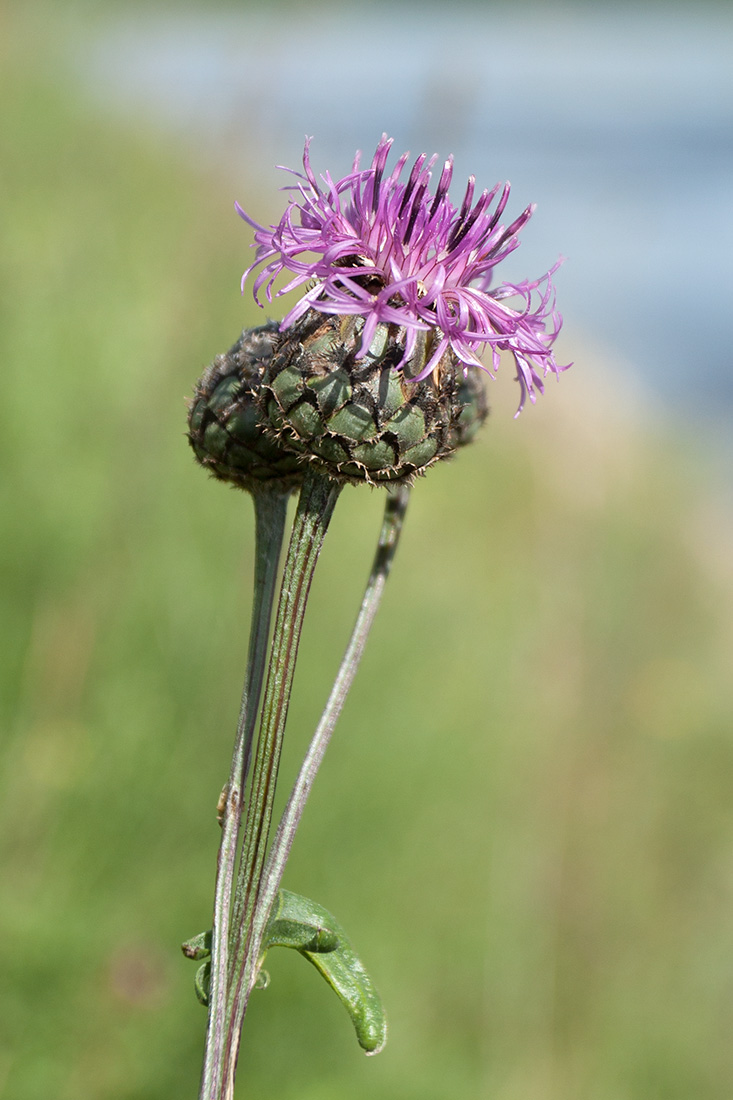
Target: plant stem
[(315, 507), (270, 512), (394, 514)]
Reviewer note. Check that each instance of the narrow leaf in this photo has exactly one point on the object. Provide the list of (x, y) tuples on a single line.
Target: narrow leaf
[(345, 973), (307, 927)]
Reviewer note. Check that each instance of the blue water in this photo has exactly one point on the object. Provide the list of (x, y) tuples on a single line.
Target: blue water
[(617, 122)]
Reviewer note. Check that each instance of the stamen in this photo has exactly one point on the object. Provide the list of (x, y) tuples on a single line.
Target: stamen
[(414, 176), (443, 185)]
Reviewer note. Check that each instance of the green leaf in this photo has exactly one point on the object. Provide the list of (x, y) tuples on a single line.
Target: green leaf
[(202, 983), (307, 927), (299, 923), (198, 947)]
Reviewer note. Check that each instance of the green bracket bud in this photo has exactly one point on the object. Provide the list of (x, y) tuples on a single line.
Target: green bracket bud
[(365, 419), (302, 924), (228, 434)]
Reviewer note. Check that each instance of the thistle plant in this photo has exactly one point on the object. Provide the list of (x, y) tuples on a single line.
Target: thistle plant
[(372, 377)]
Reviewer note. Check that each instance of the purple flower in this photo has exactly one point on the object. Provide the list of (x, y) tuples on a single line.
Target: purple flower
[(394, 252)]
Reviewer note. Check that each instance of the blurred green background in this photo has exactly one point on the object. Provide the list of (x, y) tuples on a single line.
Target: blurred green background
[(525, 820)]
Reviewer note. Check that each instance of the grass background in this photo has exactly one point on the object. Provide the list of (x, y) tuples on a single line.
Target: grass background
[(525, 819)]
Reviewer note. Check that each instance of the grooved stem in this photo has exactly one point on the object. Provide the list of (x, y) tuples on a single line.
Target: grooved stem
[(270, 512), (315, 507)]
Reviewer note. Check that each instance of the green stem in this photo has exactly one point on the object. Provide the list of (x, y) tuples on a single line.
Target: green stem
[(394, 514), (315, 507), (270, 513)]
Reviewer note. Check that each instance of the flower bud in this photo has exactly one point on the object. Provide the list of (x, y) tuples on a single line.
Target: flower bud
[(226, 429)]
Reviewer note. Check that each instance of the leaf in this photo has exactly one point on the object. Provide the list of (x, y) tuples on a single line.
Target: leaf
[(198, 947), (299, 923), (202, 983), (302, 924)]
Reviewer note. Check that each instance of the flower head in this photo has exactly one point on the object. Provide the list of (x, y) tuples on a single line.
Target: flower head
[(393, 252)]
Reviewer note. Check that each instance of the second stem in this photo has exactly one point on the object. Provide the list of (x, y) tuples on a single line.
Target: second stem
[(315, 507)]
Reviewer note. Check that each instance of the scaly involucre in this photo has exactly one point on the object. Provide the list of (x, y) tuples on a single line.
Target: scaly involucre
[(393, 252)]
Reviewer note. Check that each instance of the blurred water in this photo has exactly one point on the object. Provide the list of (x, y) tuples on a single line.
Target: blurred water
[(617, 121)]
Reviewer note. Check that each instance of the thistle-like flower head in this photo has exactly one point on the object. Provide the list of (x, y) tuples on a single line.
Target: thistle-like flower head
[(393, 252)]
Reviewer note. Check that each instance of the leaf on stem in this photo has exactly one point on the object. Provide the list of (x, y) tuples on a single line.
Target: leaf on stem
[(199, 948), (302, 924), (202, 983)]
